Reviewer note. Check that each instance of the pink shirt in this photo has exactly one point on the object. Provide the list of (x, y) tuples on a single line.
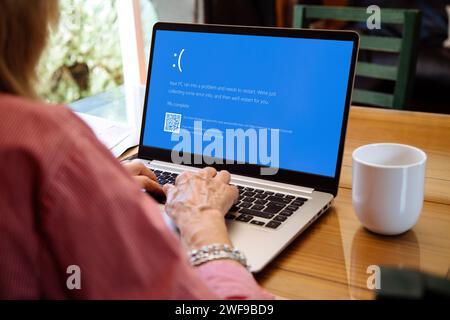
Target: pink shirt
[(65, 200)]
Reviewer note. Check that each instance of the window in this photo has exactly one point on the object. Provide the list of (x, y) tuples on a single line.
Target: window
[(103, 47), (84, 55)]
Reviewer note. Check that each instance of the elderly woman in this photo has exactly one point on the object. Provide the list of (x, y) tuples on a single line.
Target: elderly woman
[(65, 201)]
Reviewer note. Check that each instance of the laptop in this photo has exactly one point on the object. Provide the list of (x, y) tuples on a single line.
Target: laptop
[(269, 105)]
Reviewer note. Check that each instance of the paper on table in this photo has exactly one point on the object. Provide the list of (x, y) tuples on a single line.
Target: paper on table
[(114, 135)]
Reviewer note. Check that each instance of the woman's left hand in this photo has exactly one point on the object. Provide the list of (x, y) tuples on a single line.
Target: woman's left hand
[(144, 176)]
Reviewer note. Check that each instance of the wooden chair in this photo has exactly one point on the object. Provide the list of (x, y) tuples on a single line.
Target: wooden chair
[(406, 48)]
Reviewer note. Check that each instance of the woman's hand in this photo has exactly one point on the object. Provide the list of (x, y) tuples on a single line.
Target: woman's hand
[(197, 204), (144, 176)]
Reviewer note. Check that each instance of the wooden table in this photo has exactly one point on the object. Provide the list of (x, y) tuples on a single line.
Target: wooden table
[(330, 259)]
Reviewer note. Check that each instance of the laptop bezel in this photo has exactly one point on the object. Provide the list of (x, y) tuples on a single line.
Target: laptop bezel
[(317, 182)]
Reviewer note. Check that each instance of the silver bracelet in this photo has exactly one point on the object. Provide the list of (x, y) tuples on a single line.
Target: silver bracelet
[(216, 252)]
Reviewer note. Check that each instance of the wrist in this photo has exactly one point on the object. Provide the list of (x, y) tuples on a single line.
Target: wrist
[(204, 227), (199, 240), (203, 236)]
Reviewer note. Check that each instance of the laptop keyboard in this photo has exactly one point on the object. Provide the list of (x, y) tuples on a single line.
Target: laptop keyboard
[(264, 208), (165, 177), (255, 206)]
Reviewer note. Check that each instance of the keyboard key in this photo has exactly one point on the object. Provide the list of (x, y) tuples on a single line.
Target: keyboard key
[(274, 208), (297, 203), (301, 199), (278, 199), (273, 224), (248, 194), (234, 208), (280, 218), (287, 213), (256, 222), (270, 193), (157, 172), (259, 191), (279, 195), (257, 213), (276, 204), (240, 187), (249, 199), (293, 208), (259, 201), (230, 216), (249, 189), (260, 196), (289, 197), (244, 218), (245, 204), (257, 207)]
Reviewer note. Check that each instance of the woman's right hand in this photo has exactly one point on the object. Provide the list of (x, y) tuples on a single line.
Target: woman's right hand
[(197, 204)]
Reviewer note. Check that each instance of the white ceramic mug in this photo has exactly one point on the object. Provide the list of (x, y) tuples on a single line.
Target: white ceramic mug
[(388, 186)]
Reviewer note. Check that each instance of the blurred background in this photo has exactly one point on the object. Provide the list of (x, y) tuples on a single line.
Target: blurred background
[(86, 54)]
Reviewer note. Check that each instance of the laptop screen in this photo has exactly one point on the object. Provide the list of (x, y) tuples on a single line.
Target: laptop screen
[(288, 94)]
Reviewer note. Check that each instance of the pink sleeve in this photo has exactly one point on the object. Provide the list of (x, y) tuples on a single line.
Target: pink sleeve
[(231, 281), (95, 216)]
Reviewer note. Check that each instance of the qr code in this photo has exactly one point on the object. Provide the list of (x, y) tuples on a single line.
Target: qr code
[(172, 123)]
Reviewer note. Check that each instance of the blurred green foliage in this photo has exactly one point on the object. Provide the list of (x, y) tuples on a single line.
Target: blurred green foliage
[(83, 56)]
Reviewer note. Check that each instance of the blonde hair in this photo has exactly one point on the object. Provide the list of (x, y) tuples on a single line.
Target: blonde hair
[(24, 29)]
